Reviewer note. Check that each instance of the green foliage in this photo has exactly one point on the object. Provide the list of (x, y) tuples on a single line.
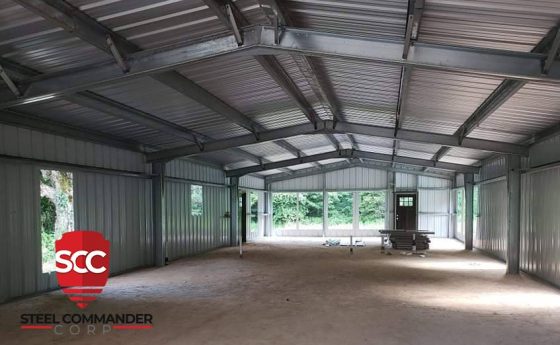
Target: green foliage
[(57, 211), (196, 200), (254, 207), (285, 209), (340, 208), (48, 215), (372, 207)]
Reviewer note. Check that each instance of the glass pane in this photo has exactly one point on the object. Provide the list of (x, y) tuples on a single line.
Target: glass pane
[(311, 211), (57, 212), (459, 211), (340, 210), (254, 209), (196, 200), (372, 210), (284, 210)]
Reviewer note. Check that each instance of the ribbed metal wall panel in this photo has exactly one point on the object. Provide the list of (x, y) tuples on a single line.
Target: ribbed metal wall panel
[(27, 143), (406, 181), (540, 224), (433, 182), (20, 247), (314, 182), (189, 170), (251, 182), (491, 235), (187, 234), (120, 208), (433, 211), (356, 178), (492, 168), (545, 152)]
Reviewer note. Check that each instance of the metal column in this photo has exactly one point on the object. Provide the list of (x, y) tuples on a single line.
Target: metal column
[(469, 207), (513, 212), (234, 207), (158, 195), (325, 206), (268, 212)]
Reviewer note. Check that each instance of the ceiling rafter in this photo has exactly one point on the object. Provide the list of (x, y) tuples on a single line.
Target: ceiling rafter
[(91, 31), (548, 44), (344, 154), (332, 167), (329, 126)]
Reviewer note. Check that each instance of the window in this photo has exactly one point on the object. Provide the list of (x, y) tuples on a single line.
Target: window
[(297, 211), (254, 209), (372, 210), (196, 200), (460, 211), (340, 210), (57, 212), (311, 211), (406, 201), (476, 209), (284, 210)]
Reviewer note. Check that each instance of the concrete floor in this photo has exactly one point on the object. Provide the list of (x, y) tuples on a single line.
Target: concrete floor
[(286, 292)]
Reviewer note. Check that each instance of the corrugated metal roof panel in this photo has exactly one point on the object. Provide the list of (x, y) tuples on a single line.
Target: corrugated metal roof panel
[(459, 160), (34, 42), (532, 109), (440, 101), (368, 92), (510, 25), (242, 83), (151, 96), (153, 23), (310, 141), (487, 134), (360, 17), (65, 112)]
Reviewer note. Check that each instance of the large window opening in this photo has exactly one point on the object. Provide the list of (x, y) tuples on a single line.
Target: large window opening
[(372, 210), (311, 211), (476, 210), (340, 210), (297, 211), (57, 212), (285, 211)]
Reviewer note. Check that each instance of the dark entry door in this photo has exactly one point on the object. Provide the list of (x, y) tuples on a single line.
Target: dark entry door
[(405, 215), (243, 216)]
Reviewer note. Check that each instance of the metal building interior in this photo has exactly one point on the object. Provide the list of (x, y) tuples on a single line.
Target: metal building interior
[(193, 134)]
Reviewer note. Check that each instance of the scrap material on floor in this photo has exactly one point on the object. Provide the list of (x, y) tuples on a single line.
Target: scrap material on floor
[(413, 240)]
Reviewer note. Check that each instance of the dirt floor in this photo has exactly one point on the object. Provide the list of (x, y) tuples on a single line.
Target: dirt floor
[(285, 292)]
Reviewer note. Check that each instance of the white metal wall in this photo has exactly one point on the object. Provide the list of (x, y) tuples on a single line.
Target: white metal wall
[(251, 182), (27, 143), (190, 170), (128, 224), (121, 208), (433, 195), (187, 234), (540, 224), (491, 235)]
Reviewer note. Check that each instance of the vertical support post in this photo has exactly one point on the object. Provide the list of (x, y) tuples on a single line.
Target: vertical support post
[(158, 195), (513, 213), (355, 212), (469, 197), (234, 210), (268, 211), (325, 206)]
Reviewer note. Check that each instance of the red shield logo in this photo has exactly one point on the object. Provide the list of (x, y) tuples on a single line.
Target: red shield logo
[(82, 265)]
